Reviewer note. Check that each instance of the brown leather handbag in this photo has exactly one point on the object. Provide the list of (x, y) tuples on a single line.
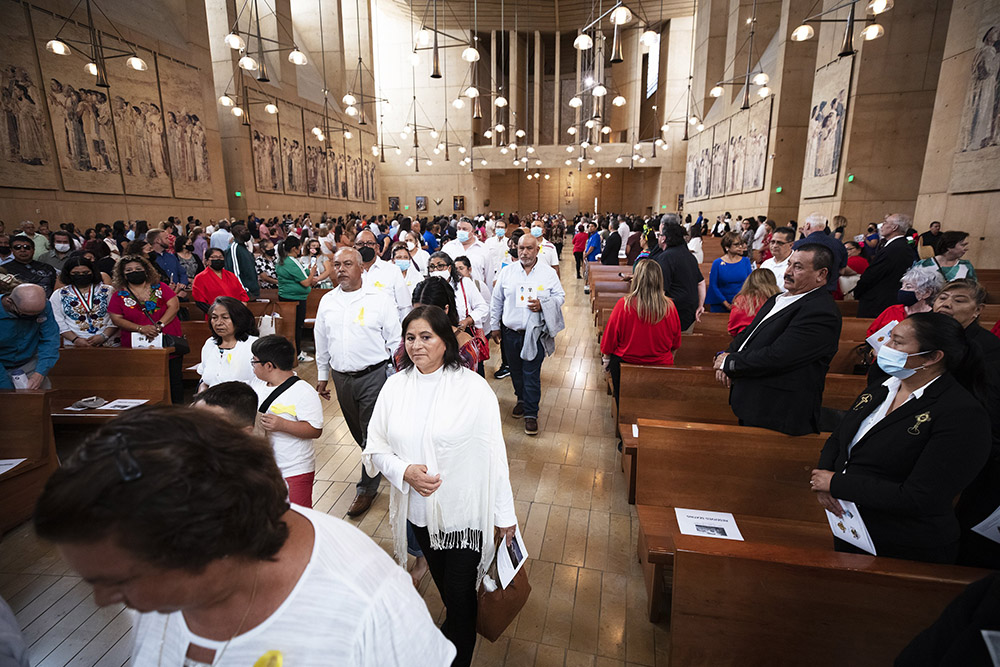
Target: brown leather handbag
[(497, 609)]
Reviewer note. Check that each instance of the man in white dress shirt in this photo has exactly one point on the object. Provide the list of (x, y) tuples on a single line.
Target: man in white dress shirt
[(357, 330), (781, 249), (382, 276), (483, 268), (520, 290), (496, 245), (546, 250)]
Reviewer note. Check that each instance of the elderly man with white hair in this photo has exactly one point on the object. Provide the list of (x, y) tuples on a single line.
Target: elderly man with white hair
[(877, 287), (814, 230), (29, 338)]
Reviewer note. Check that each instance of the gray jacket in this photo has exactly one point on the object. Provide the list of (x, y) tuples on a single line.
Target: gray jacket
[(543, 327)]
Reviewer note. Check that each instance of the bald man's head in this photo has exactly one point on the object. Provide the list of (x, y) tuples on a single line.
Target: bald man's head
[(28, 299)]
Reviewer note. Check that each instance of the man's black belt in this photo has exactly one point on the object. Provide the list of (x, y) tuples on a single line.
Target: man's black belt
[(364, 371)]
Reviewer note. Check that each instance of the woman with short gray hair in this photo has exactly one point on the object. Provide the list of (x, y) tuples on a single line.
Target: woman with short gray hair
[(918, 288)]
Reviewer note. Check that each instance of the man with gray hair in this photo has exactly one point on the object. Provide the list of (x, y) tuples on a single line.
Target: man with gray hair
[(876, 289), (29, 338), (814, 230)]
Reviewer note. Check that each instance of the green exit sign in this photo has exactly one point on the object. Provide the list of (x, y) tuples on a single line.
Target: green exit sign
[(850, 178), (778, 189), (406, 207), (238, 193), (663, 206)]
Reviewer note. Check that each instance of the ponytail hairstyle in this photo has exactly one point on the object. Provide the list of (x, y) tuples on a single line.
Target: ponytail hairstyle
[(286, 245), (964, 360)]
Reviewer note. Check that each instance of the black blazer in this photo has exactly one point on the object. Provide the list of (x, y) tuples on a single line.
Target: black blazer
[(906, 472), (612, 246), (778, 377), (877, 288)]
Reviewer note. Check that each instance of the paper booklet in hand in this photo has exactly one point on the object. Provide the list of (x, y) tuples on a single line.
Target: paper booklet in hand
[(881, 337), (511, 557), (850, 527), (990, 526)]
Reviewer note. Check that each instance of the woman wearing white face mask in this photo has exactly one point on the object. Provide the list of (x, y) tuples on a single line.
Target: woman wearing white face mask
[(910, 445), (404, 262), (472, 307), (420, 257)]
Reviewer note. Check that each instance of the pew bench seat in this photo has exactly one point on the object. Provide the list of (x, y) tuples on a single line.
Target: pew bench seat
[(658, 534)]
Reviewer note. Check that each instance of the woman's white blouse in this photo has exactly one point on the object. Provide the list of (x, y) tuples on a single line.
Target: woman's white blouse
[(226, 365)]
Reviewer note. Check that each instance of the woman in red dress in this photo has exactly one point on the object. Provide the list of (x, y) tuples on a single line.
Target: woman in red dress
[(644, 327)]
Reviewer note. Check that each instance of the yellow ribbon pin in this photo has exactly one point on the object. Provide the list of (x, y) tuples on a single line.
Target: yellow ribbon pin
[(270, 659), (281, 409), (922, 418), (360, 319)]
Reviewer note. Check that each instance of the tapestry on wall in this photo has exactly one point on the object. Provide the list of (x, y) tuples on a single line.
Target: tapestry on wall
[(187, 139), (139, 129), (317, 169), (293, 155), (265, 145), (758, 130), (736, 156), (703, 164), (337, 164), (393, 204), (85, 139), (720, 151), (825, 135), (976, 165), (353, 166), (689, 168), (27, 156)]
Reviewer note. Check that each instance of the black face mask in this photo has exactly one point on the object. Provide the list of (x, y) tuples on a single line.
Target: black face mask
[(367, 254), (135, 277), (269, 253), (189, 247), (4, 249), (513, 252), (906, 297), (217, 264), (81, 279)]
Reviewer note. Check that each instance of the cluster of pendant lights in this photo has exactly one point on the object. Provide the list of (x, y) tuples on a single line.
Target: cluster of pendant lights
[(872, 31), (61, 48), (247, 62)]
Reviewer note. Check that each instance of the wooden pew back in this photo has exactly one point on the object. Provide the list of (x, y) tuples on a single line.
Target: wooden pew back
[(712, 324), (737, 603), (312, 306), (110, 373), (664, 392), (197, 333), (723, 468), (27, 427), (699, 349)]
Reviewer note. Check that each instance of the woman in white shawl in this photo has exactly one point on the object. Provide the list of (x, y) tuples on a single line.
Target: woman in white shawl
[(449, 476)]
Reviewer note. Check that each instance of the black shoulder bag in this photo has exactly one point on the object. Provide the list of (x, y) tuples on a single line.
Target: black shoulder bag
[(278, 391)]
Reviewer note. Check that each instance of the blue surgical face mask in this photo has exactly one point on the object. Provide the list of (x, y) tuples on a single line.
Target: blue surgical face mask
[(536, 232), (463, 236), (500, 232), (893, 362), (403, 264)]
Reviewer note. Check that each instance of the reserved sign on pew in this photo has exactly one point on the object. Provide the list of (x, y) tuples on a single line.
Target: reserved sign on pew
[(699, 523)]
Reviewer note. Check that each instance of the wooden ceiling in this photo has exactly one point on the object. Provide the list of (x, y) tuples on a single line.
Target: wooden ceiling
[(543, 15)]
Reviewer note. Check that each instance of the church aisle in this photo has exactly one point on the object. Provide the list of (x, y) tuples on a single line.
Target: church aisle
[(587, 605)]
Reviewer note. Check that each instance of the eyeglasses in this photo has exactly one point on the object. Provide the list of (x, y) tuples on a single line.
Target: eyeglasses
[(254, 362), (367, 244), (438, 267), (22, 246)]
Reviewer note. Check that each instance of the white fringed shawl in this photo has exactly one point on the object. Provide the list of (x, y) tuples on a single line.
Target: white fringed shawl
[(460, 438)]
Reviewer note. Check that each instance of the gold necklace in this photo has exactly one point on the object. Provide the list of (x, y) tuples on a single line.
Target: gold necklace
[(246, 614)]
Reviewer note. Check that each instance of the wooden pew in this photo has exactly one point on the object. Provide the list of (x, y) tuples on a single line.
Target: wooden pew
[(992, 286), (712, 324), (110, 373), (847, 357), (284, 311), (854, 328), (990, 315), (848, 308), (27, 428), (196, 333), (616, 289), (312, 306), (747, 603), (722, 468), (700, 349), (693, 394)]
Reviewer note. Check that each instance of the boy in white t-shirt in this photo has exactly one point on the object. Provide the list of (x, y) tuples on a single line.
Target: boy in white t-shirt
[(291, 414)]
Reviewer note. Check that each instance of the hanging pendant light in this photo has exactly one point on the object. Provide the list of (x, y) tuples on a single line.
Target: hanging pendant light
[(58, 47), (235, 42), (616, 44)]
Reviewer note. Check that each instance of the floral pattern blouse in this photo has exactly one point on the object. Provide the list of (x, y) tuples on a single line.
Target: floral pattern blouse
[(124, 303), (82, 311)]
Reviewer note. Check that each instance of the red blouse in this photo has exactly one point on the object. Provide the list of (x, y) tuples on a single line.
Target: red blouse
[(207, 286), (639, 342), (741, 315)]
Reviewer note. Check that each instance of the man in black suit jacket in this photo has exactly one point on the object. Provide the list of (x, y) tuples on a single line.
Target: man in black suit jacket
[(612, 246), (777, 366), (879, 284)]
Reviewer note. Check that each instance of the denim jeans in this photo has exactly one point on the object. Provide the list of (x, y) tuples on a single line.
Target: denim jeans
[(526, 375)]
